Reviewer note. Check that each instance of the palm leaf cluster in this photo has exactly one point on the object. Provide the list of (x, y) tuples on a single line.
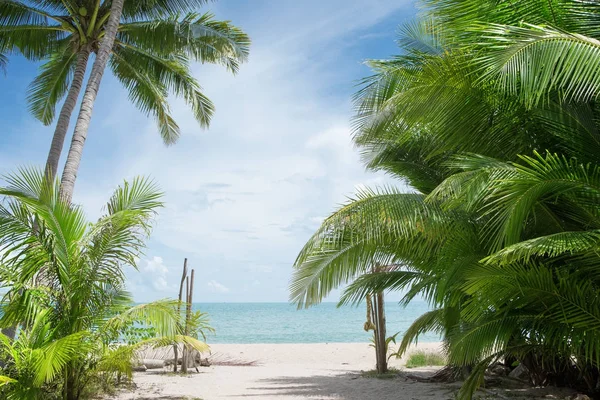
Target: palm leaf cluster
[(156, 41), (64, 285), (490, 114)]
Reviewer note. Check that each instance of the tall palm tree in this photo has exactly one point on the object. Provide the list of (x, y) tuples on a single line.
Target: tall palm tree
[(149, 55), (87, 103), (201, 105), (84, 295)]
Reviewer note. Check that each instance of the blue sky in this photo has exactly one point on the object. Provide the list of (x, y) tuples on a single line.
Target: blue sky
[(244, 196)]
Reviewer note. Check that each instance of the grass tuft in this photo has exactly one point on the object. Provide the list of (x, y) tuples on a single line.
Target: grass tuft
[(425, 359), (390, 374)]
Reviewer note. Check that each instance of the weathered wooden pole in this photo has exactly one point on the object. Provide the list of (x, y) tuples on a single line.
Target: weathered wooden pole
[(183, 276), (188, 317), (184, 355)]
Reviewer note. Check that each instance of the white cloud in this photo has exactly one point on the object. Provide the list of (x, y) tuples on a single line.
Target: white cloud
[(152, 280), (155, 266), (217, 287)]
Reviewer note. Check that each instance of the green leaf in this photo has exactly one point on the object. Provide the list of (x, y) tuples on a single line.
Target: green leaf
[(50, 86)]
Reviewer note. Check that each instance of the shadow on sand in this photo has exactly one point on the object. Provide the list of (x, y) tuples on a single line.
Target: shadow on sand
[(345, 387), (168, 398)]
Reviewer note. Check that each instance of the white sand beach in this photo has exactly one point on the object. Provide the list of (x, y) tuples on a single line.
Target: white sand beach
[(288, 372)]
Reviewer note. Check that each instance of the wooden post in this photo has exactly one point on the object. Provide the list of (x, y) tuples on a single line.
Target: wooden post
[(183, 276), (374, 309), (184, 355), (188, 317)]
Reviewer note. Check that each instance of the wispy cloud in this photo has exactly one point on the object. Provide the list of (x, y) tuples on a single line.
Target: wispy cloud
[(153, 276), (217, 287)]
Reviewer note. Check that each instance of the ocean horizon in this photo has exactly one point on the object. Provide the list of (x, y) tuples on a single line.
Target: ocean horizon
[(247, 323)]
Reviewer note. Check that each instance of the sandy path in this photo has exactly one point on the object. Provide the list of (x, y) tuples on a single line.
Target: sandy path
[(287, 372)]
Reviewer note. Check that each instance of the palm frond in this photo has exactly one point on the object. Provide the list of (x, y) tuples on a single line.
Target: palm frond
[(376, 282), (164, 341), (325, 268), (541, 179), (148, 94), (161, 314), (18, 13), (155, 9), (431, 321), (5, 380), (50, 86), (423, 36), (3, 62), (172, 72), (141, 196), (50, 359), (33, 41), (201, 37), (534, 62), (547, 246)]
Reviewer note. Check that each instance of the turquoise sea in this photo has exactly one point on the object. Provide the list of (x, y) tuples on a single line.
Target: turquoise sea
[(283, 323)]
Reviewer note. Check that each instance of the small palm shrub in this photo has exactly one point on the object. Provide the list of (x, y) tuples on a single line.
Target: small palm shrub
[(65, 286)]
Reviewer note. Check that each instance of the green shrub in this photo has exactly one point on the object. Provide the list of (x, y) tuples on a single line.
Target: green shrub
[(72, 329), (425, 359)]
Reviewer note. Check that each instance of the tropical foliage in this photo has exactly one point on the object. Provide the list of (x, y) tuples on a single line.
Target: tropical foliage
[(490, 115), (154, 45), (64, 284)]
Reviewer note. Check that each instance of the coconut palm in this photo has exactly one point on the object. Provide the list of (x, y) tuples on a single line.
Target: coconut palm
[(149, 54), (497, 241), (190, 92), (83, 295)]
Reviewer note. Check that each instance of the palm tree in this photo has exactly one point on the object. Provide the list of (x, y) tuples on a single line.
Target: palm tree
[(84, 294), (149, 55), (497, 241), (191, 93)]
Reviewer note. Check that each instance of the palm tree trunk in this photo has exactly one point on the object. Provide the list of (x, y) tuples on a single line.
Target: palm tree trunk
[(62, 125), (60, 132), (87, 104), (380, 333)]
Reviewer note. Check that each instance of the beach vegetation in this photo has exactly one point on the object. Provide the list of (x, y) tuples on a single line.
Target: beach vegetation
[(489, 116), (388, 345), (422, 358), (64, 284), (199, 325)]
